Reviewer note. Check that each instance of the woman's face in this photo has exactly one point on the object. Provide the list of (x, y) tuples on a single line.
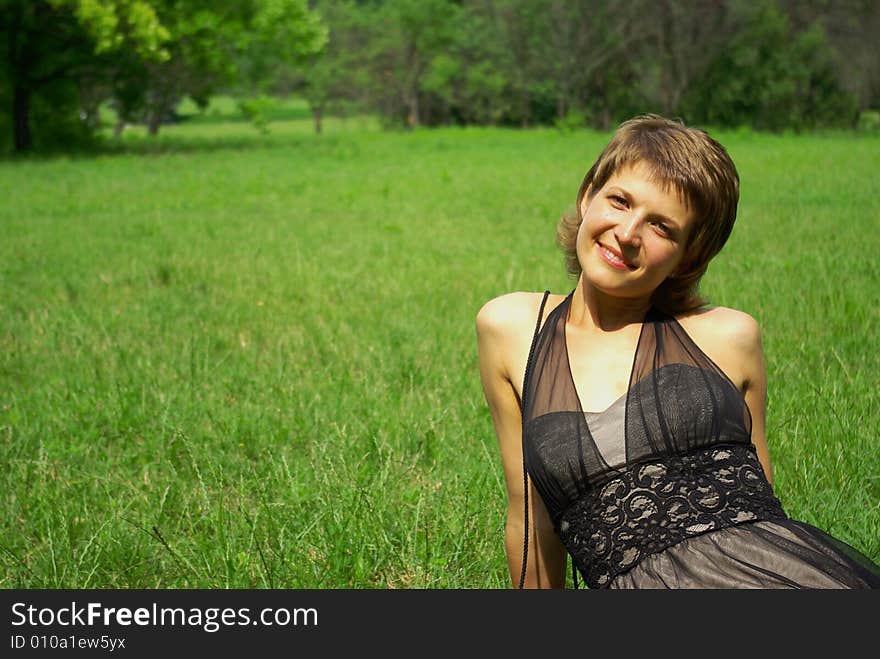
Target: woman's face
[(633, 233)]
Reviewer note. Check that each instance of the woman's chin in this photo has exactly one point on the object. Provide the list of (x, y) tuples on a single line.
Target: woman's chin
[(614, 287)]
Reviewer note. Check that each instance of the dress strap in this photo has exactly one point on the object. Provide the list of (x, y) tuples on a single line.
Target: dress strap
[(522, 577)]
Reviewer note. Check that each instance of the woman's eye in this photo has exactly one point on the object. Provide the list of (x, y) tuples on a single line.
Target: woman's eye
[(617, 199), (663, 228)]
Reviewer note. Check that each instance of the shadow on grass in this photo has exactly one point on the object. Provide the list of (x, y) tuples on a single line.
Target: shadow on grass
[(193, 134), (277, 114), (174, 145)]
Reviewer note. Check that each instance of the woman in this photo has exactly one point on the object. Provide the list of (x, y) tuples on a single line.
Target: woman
[(630, 415)]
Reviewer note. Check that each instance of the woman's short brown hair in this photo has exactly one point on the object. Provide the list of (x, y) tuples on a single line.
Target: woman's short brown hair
[(681, 158)]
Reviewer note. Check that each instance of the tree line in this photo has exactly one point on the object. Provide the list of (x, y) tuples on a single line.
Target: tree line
[(768, 64)]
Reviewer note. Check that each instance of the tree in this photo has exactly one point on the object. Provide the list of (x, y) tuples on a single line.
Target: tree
[(684, 39), (850, 28), (765, 63), (212, 44), (771, 77), (406, 36), (53, 44), (471, 80), (582, 52), (145, 55), (334, 75)]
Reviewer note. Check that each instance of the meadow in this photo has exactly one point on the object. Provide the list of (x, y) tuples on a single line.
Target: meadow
[(240, 360)]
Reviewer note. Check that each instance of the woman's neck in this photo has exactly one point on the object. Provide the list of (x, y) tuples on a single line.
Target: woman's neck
[(592, 309)]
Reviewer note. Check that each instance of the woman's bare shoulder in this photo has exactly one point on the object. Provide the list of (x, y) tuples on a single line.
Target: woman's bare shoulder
[(505, 326), (510, 313), (723, 325)]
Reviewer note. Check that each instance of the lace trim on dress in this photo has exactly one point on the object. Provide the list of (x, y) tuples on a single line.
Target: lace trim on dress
[(656, 504)]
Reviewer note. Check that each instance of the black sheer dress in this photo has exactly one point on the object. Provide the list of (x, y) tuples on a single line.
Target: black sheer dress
[(664, 489)]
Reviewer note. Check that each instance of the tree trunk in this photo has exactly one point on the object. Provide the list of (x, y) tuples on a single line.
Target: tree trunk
[(605, 118), (413, 117), (153, 123), (561, 106), (21, 109), (317, 114), (17, 60)]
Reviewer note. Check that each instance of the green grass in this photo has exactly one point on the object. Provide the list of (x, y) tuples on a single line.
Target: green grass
[(239, 360)]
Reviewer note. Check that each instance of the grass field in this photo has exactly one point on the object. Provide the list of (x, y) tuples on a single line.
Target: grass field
[(239, 360)]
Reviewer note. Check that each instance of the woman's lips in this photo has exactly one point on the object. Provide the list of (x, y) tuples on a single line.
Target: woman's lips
[(612, 259)]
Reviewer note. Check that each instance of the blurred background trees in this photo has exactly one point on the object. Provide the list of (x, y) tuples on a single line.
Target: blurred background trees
[(768, 64), (64, 58)]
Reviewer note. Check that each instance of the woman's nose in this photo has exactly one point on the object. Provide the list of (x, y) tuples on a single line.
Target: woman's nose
[(629, 229)]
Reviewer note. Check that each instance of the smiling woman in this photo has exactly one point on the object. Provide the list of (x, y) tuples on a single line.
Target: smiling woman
[(670, 483)]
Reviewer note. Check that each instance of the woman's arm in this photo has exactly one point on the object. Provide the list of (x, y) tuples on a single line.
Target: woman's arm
[(504, 333), (748, 342), (735, 340), (741, 337)]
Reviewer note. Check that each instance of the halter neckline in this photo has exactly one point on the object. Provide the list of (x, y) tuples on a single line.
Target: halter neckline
[(566, 304)]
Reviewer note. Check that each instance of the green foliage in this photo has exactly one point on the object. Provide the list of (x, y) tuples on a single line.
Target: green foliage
[(869, 121), (771, 78), (216, 45), (406, 37), (329, 79), (63, 126), (468, 82), (281, 33), (521, 62), (117, 24), (257, 111), (286, 29), (572, 121), (441, 76), (60, 58), (143, 55)]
